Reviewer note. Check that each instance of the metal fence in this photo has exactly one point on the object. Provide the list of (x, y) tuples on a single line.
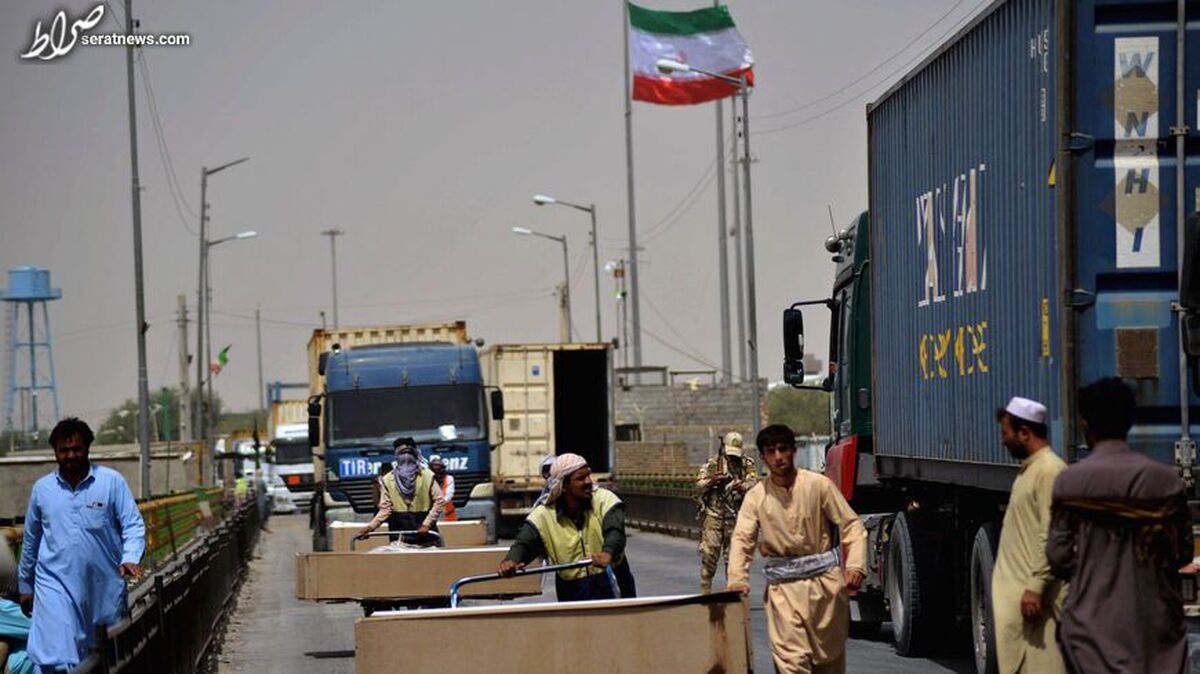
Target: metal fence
[(173, 619)]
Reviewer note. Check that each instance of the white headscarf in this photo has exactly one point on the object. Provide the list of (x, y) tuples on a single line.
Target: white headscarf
[(562, 468)]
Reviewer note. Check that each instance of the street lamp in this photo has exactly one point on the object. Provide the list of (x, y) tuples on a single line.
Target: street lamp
[(669, 66), (207, 410), (202, 301), (543, 200), (524, 231)]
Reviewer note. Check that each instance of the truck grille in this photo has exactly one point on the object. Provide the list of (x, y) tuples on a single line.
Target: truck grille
[(361, 496)]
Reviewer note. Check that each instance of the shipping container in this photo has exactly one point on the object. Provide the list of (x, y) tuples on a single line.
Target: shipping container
[(1024, 222), (558, 398), (1028, 188)]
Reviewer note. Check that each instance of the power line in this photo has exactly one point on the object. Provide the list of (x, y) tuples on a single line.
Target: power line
[(164, 150), (884, 80), (671, 347), (866, 74), (682, 340)]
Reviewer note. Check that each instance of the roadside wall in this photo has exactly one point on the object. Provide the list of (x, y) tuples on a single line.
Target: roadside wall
[(692, 416), (169, 472)]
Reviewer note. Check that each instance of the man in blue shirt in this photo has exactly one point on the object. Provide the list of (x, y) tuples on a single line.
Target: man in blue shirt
[(83, 536)]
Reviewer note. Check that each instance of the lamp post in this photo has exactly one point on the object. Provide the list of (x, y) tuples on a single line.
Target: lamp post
[(566, 271), (208, 388), (668, 66), (200, 423), (543, 200)]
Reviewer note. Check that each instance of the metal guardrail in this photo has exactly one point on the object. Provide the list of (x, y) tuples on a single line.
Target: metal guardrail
[(173, 620)]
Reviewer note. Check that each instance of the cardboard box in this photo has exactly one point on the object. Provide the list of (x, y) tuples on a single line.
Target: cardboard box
[(700, 633), (411, 574), (465, 534)]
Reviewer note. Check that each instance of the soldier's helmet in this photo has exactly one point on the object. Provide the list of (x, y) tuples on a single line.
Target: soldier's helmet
[(733, 443)]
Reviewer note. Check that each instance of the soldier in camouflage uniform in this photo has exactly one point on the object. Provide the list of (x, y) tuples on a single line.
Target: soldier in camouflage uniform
[(723, 481)]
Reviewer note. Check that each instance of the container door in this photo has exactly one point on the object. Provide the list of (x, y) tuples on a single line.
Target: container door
[(1127, 204), (523, 376)]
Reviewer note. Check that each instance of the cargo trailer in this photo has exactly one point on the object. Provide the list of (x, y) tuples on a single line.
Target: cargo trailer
[(1028, 188)]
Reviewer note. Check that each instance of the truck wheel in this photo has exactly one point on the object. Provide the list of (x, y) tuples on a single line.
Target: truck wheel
[(914, 599), (983, 628)]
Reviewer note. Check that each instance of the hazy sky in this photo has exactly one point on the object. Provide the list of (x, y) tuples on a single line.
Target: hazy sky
[(422, 130)]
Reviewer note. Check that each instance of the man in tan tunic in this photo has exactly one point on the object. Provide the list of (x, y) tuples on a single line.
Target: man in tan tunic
[(792, 517), (1026, 598)]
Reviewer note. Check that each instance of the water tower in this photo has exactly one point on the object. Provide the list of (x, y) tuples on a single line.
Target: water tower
[(28, 290)]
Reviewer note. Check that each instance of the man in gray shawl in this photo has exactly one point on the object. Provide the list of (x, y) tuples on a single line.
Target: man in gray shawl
[(1120, 530)]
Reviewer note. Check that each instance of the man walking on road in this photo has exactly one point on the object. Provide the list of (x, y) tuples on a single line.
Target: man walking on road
[(1026, 598), (578, 521), (723, 483), (792, 517), (83, 537), (1120, 531)]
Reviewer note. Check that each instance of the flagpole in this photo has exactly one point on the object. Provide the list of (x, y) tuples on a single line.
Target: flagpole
[(722, 246), (633, 247)]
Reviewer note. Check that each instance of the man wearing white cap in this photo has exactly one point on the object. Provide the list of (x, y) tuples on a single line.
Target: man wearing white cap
[(723, 483), (1026, 598)]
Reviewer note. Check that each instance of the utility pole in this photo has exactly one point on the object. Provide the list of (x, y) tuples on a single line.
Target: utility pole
[(751, 296), (564, 314), (139, 288), (333, 234), (262, 391), (737, 251), (722, 247), (185, 396)]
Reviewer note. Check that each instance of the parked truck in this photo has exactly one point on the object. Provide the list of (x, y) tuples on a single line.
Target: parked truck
[(558, 398), (1028, 189), (369, 386), (290, 455)]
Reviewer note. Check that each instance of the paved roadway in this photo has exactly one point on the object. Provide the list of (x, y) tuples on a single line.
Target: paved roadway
[(272, 631)]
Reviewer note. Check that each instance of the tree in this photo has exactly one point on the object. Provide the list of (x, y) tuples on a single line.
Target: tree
[(804, 410), (120, 427)]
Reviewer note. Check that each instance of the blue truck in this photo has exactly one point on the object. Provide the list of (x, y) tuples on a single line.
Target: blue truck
[(369, 386), (1029, 229)]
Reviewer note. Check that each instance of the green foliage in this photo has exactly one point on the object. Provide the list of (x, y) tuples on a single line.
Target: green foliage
[(120, 427), (805, 411)]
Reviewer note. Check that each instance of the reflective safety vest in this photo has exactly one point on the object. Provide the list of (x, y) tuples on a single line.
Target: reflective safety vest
[(565, 543), (421, 502)]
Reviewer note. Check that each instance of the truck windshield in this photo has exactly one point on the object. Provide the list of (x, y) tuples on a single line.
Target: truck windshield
[(418, 411), (288, 453)]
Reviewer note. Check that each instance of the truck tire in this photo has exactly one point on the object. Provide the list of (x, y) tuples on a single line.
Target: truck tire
[(983, 628), (916, 603)]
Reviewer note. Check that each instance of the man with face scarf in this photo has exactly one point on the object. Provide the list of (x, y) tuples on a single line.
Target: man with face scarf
[(409, 496), (578, 521)]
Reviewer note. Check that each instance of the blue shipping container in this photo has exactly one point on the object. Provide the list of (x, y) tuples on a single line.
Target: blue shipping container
[(1024, 214)]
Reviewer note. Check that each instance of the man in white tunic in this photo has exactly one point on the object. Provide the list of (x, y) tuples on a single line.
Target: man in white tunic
[(792, 516)]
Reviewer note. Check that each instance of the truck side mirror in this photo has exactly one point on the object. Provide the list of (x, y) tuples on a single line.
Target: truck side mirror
[(793, 346), (314, 420), (1189, 287), (497, 400), (322, 361)]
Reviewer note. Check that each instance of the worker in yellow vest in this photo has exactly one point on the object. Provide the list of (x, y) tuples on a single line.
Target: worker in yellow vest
[(446, 482), (578, 521), (409, 497)]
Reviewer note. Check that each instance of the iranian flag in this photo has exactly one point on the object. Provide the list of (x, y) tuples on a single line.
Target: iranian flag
[(703, 38)]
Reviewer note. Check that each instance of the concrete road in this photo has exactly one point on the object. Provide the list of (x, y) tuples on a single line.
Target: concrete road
[(271, 631)]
